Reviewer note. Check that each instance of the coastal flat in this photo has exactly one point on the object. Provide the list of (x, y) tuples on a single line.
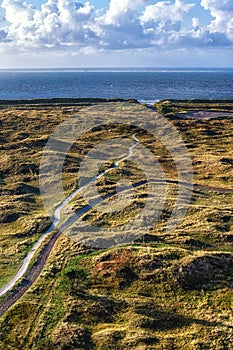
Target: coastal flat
[(167, 290)]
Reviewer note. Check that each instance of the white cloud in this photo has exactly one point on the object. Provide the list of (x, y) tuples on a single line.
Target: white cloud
[(164, 21), (56, 23), (166, 10), (222, 12), (17, 11), (121, 27), (119, 11), (195, 22), (125, 25)]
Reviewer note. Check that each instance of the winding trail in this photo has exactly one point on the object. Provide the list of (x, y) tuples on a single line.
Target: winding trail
[(29, 276), (34, 272)]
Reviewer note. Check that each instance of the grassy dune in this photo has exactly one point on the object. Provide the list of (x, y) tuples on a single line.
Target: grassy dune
[(166, 291)]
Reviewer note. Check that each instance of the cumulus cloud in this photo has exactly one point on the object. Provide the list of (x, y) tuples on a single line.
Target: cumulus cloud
[(121, 11), (125, 25), (165, 10), (222, 12), (163, 20), (121, 26), (195, 22), (56, 23)]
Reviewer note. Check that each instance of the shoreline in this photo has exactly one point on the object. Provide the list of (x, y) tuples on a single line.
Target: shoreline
[(85, 100), (62, 101)]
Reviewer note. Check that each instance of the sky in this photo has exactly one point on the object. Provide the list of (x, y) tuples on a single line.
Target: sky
[(115, 33)]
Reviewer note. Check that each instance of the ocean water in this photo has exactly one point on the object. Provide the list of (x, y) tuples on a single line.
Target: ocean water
[(147, 85)]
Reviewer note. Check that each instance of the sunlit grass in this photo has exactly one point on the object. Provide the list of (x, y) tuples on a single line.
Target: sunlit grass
[(135, 296)]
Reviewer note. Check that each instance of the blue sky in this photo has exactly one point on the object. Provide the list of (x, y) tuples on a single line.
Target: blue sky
[(69, 33)]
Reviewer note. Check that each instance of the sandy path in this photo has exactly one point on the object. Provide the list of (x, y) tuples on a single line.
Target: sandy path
[(56, 220), (30, 275)]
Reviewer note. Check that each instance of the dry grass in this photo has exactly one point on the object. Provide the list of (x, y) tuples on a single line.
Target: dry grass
[(166, 291)]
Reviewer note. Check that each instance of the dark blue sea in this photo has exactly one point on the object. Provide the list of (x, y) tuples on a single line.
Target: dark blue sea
[(147, 85)]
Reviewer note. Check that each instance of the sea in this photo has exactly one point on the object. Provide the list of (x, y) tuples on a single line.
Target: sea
[(146, 85)]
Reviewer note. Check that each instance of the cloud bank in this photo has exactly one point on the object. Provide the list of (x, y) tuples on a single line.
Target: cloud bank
[(125, 25)]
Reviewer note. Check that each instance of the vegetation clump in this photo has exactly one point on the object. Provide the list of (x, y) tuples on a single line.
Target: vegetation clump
[(166, 290)]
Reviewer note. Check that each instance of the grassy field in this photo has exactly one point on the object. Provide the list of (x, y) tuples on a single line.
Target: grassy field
[(165, 291)]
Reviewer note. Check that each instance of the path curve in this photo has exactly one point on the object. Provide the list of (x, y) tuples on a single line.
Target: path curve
[(30, 275), (57, 215)]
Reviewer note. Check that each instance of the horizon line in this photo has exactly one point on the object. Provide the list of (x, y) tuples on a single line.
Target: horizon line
[(115, 67)]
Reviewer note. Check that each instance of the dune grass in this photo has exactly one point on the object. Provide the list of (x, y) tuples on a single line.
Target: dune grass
[(165, 291)]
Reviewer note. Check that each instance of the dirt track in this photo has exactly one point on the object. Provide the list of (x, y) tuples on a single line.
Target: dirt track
[(33, 273), (30, 276)]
